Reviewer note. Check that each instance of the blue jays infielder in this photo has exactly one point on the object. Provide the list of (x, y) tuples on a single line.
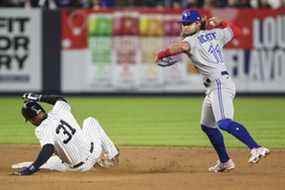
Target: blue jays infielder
[(203, 43)]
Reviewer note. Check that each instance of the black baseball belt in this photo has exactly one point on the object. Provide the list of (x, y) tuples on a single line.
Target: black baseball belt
[(81, 163), (208, 81)]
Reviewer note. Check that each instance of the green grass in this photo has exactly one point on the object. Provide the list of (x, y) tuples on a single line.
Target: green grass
[(156, 121)]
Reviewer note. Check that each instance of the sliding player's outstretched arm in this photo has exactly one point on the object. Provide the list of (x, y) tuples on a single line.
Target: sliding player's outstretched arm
[(45, 153)]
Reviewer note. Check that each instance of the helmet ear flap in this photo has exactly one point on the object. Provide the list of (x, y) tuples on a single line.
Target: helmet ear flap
[(25, 114)]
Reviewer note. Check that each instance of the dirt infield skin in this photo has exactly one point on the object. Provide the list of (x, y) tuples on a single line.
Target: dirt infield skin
[(150, 168)]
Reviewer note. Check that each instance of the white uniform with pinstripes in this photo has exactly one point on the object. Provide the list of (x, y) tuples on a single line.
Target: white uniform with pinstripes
[(72, 143), (207, 56)]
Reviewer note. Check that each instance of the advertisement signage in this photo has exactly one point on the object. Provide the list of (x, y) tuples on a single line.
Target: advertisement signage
[(20, 50), (120, 48)]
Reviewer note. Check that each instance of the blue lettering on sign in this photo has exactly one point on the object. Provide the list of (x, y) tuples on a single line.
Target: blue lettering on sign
[(207, 37)]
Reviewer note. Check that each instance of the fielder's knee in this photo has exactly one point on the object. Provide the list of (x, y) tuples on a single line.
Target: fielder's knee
[(225, 124), (206, 128)]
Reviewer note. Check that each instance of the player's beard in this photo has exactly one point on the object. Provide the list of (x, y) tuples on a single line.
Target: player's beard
[(189, 30)]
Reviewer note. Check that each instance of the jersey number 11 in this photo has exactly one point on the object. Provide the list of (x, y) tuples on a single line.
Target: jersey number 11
[(216, 52)]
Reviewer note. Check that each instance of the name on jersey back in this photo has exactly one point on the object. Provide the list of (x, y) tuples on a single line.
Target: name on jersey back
[(207, 37)]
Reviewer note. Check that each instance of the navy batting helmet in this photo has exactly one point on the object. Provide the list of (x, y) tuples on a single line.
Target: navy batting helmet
[(190, 16), (30, 109)]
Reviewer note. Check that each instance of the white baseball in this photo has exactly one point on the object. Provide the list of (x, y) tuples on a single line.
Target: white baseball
[(212, 23)]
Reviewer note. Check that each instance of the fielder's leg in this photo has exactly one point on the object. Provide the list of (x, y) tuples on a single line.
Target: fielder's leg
[(222, 103), (208, 125), (238, 131), (223, 109)]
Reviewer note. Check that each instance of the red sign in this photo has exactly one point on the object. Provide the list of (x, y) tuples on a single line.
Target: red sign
[(257, 26), (74, 29)]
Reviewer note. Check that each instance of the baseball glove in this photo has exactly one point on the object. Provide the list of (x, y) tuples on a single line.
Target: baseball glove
[(167, 61)]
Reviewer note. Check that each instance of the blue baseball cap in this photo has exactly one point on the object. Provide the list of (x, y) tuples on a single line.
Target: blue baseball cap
[(190, 16)]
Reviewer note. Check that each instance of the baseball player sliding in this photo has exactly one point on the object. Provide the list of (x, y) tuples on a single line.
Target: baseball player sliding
[(65, 146), (203, 43)]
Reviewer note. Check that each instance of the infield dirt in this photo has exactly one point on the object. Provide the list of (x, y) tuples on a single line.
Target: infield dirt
[(155, 168)]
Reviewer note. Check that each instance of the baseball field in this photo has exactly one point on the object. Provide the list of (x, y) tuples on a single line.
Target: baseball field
[(162, 146)]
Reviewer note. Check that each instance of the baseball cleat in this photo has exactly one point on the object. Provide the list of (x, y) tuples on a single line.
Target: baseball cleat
[(257, 154), (104, 162), (222, 167)]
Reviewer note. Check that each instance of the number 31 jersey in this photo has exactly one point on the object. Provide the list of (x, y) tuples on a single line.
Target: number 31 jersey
[(206, 51), (62, 130)]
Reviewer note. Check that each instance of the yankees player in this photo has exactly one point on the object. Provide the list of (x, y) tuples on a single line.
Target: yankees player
[(203, 42), (75, 149)]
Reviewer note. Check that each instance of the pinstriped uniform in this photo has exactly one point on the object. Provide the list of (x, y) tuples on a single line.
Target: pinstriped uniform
[(71, 143), (207, 56), (93, 130)]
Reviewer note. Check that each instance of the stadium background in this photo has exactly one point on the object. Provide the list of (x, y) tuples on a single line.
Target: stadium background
[(106, 52)]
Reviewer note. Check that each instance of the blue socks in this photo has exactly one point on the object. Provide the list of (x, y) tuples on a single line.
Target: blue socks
[(238, 131), (217, 141), (232, 127)]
